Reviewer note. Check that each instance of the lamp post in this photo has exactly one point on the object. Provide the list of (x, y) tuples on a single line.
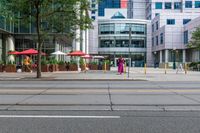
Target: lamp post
[(129, 50), (174, 58)]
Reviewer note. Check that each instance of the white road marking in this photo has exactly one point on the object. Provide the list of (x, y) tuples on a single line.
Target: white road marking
[(58, 116)]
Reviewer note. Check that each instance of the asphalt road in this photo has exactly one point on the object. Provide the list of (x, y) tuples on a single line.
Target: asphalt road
[(99, 122)]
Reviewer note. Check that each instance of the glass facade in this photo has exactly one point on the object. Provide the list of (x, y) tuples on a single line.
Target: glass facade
[(197, 4), (116, 36), (158, 5), (188, 4), (107, 4), (168, 5), (170, 21), (122, 29), (177, 5)]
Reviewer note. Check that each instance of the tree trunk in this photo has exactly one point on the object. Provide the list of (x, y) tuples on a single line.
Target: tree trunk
[(39, 75)]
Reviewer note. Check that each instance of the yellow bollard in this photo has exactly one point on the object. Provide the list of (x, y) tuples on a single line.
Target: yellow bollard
[(125, 68), (186, 68), (165, 68), (145, 68)]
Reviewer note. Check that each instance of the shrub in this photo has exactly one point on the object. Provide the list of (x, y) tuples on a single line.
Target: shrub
[(61, 63), (73, 62), (93, 63), (81, 61), (44, 62), (53, 61)]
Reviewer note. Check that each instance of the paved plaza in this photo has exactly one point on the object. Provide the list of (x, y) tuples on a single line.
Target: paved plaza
[(152, 74)]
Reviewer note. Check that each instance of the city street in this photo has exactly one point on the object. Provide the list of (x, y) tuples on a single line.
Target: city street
[(99, 106)]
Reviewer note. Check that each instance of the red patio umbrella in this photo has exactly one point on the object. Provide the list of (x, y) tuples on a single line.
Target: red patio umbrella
[(13, 53), (76, 53), (87, 56), (30, 52)]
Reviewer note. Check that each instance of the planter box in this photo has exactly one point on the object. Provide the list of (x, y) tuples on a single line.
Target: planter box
[(2, 68), (93, 67), (53, 68), (82, 67), (24, 69), (107, 67), (73, 67), (62, 67), (10, 68), (45, 68)]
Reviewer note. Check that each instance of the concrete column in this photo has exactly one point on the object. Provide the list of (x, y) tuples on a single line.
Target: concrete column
[(77, 40), (87, 42), (166, 56), (83, 40), (161, 56), (184, 56), (56, 49), (10, 47)]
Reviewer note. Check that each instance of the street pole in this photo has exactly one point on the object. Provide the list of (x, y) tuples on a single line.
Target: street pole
[(174, 60), (129, 50)]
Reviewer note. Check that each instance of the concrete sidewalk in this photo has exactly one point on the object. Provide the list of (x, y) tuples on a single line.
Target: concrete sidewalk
[(137, 74)]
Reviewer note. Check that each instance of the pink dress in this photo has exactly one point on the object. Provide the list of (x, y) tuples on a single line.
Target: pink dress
[(120, 65)]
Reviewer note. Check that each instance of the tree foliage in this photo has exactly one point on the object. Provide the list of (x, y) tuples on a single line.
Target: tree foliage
[(195, 40), (49, 16)]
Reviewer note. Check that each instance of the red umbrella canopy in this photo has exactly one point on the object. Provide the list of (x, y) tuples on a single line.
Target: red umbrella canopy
[(87, 56), (76, 53), (30, 52), (14, 52)]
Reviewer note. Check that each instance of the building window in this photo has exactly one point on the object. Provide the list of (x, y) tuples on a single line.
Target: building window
[(161, 38), (152, 27), (157, 25), (197, 4), (177, 5), (93, 5), (156, 40), (152, 41), (93, 17), (185, 37), (157, 14), (158, 5), (185, 21), (170, 21), (188, 4), (168, 5)]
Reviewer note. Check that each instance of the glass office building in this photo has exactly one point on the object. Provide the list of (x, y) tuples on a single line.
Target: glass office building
[(114, 41), (110, 4)]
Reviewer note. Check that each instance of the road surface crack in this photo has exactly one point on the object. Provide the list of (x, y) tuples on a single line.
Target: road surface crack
[(110, 98)]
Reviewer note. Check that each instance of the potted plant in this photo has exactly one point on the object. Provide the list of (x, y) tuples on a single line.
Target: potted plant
[(44, 65), (73, 66), (82, 64), (106, 65), (10, 67), (2, 66), (62, 66), (93, 66), (53, 65)]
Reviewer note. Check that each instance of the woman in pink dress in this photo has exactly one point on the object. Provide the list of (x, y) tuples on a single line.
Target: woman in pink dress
[(120, 65)]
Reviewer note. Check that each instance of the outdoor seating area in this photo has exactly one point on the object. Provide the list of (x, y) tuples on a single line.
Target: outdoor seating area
[(79, 61)]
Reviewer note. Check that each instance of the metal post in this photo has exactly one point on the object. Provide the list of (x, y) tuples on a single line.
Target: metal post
[(129, 50)]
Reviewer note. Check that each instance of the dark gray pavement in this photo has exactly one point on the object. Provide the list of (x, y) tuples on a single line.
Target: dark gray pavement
[(99, 122)]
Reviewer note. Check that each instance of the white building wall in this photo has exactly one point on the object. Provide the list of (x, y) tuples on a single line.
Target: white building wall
[(136, 9)]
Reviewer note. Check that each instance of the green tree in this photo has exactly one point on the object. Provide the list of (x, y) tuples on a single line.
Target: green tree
[(62, 17), (195, 40)]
